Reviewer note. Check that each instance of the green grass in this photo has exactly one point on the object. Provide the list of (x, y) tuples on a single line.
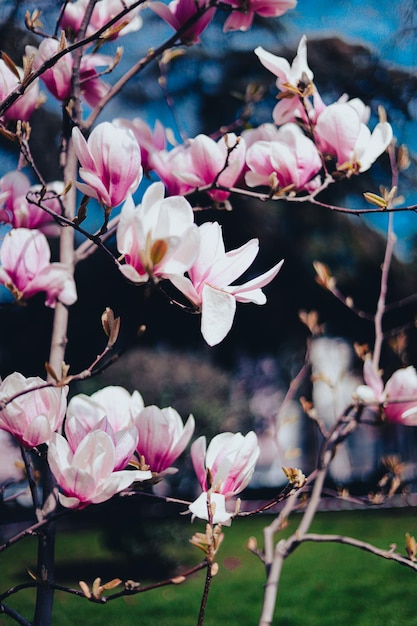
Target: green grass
[(326, 584)]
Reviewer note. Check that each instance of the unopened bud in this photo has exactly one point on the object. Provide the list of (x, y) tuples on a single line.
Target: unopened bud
[(403, 158), (376, 200), (111, 326), (252, 544), (324, 276), (85, 589), (62, 42), (410, 546), (214, 570), (382, 114), (11, 65)]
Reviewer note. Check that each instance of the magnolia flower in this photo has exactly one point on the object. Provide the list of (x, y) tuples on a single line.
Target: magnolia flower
[(149, 141), (263, 132), (292, 160), (230, 459), (58, 78), (16, 210), (33, 416), (223, 470), (211, 161), (158, 237), (209, 284), (398, 397), (169, 165), (242, 17), (24, 106), (110, 163), (295, 77), (373, 391), (103, 12), (86, 475), (26, 270), (120, 406), (111, 410), (162, 437), (340, 133), (292, 109), (178, 12), (93, 89), (402, 386)]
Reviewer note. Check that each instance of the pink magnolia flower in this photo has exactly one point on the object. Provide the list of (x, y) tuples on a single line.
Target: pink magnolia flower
[(111, 410), (169, 165), (58, 78), (103, 12), (402, 386), (87, 475), (149, 141), (296, 81), (15, 209), (373, 390), (231, 460), (24, 106), (178, 12), (93, 89), (242, 17), (398, 397), (158, 237), (291, 109), (110, 163), (162, 437), (228, 463), (34, 416), (26, 269), (211, 161), (295, 77), (340, 133), (209, 284), (292, 160), (120, 406), (264, 132)]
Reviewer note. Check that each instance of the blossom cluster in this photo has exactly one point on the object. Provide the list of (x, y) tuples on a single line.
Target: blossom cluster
[(157, 239), (308, 144), (112, 429)]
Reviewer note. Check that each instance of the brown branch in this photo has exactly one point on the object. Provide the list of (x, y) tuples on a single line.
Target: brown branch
[(362, 545)]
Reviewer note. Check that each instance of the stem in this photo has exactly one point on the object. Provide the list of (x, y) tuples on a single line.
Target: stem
[(59, 332), (46, 560), (31, 481), (381, 307), (46, 540), (380, 310), (207, 584)]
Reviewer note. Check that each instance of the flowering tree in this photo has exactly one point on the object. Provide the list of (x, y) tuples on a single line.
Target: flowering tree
[(90, 448)]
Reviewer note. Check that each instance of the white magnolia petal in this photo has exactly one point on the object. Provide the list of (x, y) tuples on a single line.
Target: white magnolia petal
[(217, 314), (220, 516)]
